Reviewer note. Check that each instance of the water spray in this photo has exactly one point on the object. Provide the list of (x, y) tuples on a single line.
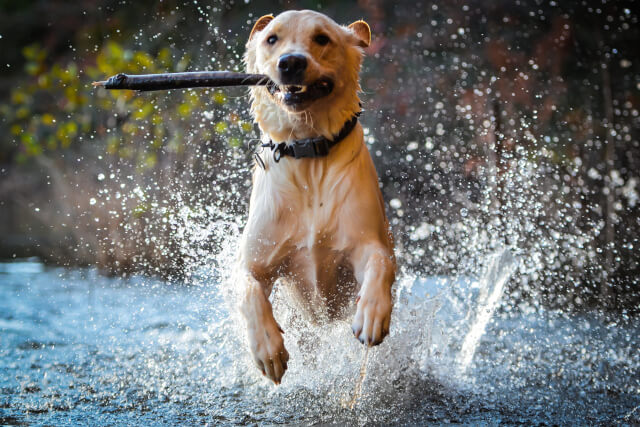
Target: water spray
[(357, 391), (501, 266)]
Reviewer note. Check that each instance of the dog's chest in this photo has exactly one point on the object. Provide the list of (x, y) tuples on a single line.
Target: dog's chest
[(315, 223), (305, 229)]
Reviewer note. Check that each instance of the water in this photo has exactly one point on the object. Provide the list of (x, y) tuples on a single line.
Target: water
[(80, 348)]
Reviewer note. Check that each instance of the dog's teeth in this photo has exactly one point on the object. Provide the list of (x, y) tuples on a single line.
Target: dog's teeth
[(296, 89)]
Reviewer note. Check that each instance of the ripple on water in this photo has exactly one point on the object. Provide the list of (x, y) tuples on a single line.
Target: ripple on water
[(138, 351)]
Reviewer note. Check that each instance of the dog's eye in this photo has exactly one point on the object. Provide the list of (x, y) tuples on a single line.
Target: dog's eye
[(272, 39), (321, 39)]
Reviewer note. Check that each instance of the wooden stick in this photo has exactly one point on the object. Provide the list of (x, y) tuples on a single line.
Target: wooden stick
[(167, 81)]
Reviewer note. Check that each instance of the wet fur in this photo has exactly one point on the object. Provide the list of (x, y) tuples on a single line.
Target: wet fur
[(319, 224)]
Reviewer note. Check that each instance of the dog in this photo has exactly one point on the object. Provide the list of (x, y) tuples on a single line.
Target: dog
[(316, 215)]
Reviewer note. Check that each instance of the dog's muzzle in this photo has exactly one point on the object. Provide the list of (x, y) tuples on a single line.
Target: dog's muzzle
[(294, 95), (291, 87)]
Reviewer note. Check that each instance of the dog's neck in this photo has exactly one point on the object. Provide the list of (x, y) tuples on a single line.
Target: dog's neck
[(326, 118)]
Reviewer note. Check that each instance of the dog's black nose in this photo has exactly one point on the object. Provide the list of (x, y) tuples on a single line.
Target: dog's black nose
[(292, 68)]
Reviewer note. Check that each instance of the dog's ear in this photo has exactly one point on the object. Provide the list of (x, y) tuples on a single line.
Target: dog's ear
[(260, 24), (362, 32)]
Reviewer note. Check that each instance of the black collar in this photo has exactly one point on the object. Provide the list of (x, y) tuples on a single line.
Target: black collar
[(310, 147)]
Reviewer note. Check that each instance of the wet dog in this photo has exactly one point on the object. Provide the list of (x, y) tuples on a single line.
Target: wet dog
[(316, 215)]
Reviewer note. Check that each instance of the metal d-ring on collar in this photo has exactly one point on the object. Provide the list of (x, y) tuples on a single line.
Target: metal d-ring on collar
[(311, 147)]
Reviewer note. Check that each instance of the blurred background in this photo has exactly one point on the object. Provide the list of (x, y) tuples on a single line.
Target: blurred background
[(492, 124)]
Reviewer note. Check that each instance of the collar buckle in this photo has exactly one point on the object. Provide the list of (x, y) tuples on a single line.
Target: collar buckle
[(310, 147)]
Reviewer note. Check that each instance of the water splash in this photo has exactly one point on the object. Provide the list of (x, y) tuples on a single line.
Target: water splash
[(491, 287), (139, 350)]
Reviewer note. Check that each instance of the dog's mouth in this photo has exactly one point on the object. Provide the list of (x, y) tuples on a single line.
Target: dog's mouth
[(298, 95)]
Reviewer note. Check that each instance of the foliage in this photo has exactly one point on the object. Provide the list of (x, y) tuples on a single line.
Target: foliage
[(118, 161), (56, 109)]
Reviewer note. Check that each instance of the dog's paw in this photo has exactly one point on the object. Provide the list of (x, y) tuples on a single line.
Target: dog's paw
[(373, 314), (269, 353)]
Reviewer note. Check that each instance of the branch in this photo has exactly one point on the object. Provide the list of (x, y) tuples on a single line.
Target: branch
[(166, 81)]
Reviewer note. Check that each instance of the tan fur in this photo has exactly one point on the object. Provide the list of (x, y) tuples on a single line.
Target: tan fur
[(318, 223)]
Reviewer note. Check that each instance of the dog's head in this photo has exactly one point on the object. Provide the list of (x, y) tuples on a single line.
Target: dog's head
[(313, 61)]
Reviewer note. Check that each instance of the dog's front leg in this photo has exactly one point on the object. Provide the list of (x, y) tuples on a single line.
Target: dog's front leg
[(264, 333), (374, 266)]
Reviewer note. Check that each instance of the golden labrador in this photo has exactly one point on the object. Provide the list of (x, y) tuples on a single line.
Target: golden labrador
[(316, 214)]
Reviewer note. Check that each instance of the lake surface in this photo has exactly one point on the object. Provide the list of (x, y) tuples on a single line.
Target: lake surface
[(80, 348)]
